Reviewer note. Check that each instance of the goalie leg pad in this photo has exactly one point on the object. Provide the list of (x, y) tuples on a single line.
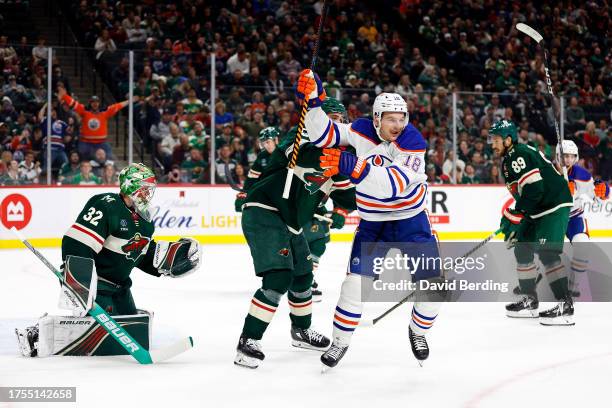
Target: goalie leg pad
[(83, 336), (79, 285)]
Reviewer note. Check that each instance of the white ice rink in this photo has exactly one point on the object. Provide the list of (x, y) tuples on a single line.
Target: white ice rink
[(479, 358)]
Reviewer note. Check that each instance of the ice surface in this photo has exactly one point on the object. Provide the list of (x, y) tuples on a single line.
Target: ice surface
[(479, 358)]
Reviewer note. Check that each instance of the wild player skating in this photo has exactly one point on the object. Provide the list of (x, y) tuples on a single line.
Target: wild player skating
[(111, 236), (537, 224), (388, 172), (583, 189), (273, 229)]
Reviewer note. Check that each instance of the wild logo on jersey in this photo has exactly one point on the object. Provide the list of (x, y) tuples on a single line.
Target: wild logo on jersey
[(313, 180), (134, 247)]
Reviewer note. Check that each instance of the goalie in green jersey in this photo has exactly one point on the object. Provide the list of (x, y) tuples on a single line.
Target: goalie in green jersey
[(537, 224), (111, 236)]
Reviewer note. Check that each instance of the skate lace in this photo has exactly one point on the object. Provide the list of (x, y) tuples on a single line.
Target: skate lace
[(254, 344), (335, 352), (419, 342), (313, 335)]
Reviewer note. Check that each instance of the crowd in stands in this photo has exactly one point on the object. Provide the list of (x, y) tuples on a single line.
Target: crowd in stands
[(261, 46)]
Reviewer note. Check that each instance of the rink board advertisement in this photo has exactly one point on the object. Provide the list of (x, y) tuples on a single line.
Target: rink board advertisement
[(207, 213)]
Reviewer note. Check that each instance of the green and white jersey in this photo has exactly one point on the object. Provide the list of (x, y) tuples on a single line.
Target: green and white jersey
[(536, 185), (115, 237), (260, 163), (308, 188)]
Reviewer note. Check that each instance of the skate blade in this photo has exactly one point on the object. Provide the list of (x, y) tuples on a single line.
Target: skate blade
[(307, 346), (324, 368), (420, 362), (557, 321), (523, 314), (317, 299), (245, 361)]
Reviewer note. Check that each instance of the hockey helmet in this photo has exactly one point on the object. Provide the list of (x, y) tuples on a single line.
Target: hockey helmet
[(388, 102), (503, 128), (137, 182), (569, 148), (268, 133)]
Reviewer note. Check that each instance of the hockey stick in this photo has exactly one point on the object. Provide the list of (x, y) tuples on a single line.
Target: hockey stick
[(109, 324), (372, 322), (300, 129), (537, 37)]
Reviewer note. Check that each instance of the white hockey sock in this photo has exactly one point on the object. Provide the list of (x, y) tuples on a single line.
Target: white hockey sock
[(349, 308), (423, 316)]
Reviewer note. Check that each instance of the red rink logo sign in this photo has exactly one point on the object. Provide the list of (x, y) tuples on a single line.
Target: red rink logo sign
[(15, 211)]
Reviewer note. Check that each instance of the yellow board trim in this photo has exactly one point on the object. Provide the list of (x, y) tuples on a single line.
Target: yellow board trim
[(239, 239)]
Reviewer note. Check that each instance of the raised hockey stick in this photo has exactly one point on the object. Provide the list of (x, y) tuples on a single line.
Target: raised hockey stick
[(537, 37), (300, 129), (109, 324), (372, 322)]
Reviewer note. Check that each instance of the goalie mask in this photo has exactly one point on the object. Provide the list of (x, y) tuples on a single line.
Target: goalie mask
[(388, 102), (137, 182)]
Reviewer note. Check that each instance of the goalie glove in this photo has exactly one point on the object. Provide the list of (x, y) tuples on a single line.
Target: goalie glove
[(177, 259)]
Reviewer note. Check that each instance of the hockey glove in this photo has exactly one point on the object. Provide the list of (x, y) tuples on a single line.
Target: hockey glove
[(310, 88), (177, 259), (338, 217), (511, 224), (240, 200), (336, 161), (602, 190)]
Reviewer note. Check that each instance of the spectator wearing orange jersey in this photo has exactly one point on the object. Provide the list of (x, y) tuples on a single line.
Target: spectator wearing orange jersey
[(94, 123)]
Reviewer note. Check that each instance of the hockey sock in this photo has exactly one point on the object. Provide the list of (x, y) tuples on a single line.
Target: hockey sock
[(317, 248), (349, 308), (557, 279), (423, 316), (300, 301), (527, 274), (262, 309)]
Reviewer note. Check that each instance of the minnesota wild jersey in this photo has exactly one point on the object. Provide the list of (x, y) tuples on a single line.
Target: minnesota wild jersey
[(308, 188), (260, 163), (115, 237), (536, 185)]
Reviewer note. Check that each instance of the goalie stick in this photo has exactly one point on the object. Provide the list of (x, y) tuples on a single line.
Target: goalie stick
[(109, 324), (537, 37), (300, 129), (372, 322)]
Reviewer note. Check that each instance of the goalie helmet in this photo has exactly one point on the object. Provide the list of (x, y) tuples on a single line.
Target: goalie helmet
[(388, 102), (137, 182), (569, 148)]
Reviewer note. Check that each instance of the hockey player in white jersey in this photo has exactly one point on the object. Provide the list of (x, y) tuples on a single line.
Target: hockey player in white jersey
[(584, 189), (388, 172)]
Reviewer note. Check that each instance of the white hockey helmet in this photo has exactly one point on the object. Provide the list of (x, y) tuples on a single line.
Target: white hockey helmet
[(569, 147), (388, 102)]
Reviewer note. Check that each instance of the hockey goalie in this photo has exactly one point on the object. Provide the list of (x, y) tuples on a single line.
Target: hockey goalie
[(111, 236)]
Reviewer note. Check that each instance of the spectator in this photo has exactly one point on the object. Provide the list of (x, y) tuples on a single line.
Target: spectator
[(161, 129), (168, 144), (223, 164), (105, 46), (240, 176), (109, 175), (70, 169), (29, 170), (574, 116), (221, 116), (470, 176), (40, 52), (194, 167), (58, 137), (85, 177), (94, 123), (99, 162), (11, 177), (239, 62), (288, 65), (274, 85)]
